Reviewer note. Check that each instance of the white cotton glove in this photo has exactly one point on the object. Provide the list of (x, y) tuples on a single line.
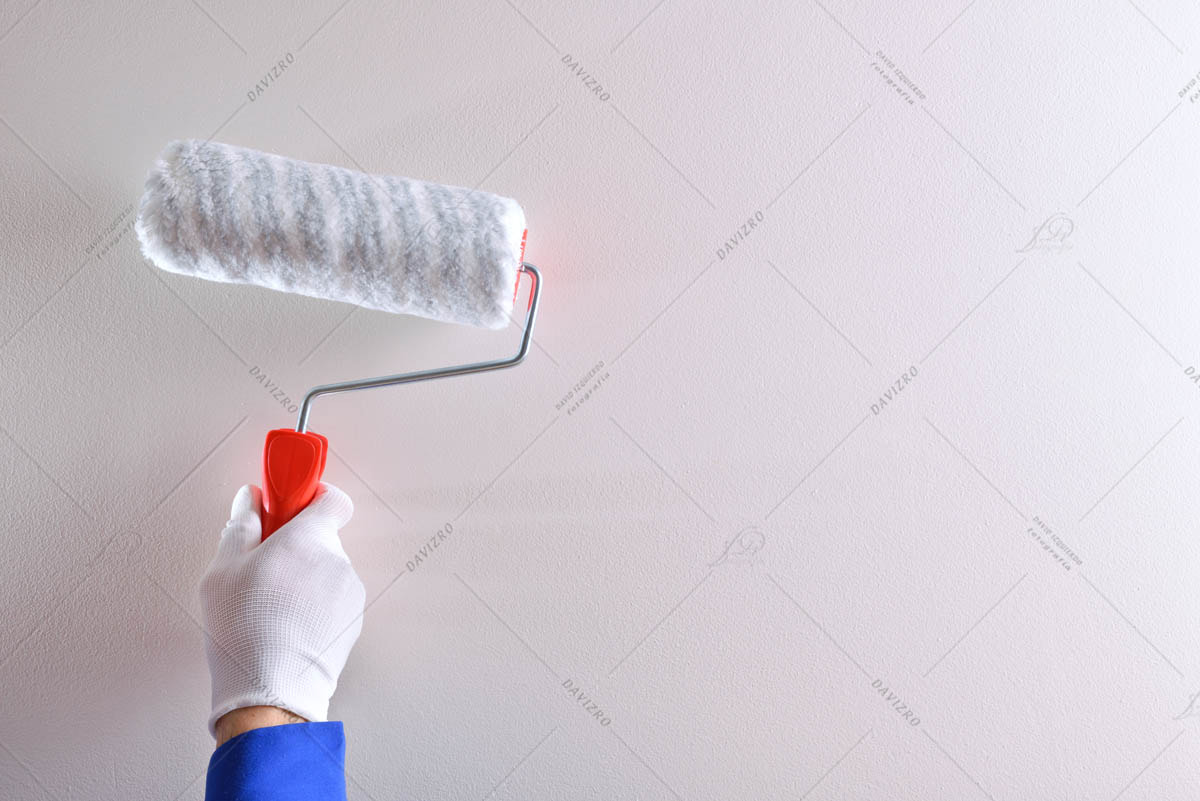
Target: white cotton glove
[(281, 616)]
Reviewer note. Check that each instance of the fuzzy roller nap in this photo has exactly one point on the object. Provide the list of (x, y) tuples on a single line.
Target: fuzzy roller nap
[(241, 216)]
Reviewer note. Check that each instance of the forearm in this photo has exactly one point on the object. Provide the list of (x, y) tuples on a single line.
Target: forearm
[(243, 720)]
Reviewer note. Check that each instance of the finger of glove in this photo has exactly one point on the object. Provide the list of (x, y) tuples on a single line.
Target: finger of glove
[(244, 529), (318, 523)]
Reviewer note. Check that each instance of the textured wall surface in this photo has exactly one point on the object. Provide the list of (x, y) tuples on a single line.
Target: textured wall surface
[(857, 458)]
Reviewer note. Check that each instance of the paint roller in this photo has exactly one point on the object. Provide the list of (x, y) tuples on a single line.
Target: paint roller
[(236, 215)]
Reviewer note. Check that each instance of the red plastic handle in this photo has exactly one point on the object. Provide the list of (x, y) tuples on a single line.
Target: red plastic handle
[(292, 468)]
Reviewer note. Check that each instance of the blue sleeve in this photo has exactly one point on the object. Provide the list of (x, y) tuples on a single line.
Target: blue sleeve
[(296, 761)]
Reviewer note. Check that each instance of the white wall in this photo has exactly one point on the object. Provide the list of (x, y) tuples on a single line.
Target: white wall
[(876, 548)]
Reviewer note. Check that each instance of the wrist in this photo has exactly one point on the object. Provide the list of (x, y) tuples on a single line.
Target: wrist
[(242, 720)]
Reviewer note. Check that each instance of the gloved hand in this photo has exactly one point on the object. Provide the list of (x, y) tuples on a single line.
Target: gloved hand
[(280, 616)]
